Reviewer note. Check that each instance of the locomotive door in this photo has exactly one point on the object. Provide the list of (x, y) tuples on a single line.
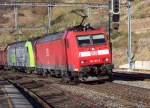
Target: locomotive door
[(71, 54)]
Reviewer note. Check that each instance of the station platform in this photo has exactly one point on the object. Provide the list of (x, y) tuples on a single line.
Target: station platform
[(3, 99), (12, 98), (132, 71)]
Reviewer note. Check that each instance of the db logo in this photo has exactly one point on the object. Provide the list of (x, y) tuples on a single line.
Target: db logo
[(93, 53), (47, 52)]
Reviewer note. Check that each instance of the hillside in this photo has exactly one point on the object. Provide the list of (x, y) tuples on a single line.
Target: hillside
[(31, 17), (35, 17)]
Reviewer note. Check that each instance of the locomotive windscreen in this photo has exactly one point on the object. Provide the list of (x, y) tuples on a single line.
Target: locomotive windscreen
[(86, 40)]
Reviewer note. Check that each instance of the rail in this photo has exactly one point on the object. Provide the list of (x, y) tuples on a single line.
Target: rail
[(31, 96)]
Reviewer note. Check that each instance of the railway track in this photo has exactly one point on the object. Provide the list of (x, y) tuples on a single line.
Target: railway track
[(54, 95), (106, 95), (127, 96), (34, 99), (18, 96)]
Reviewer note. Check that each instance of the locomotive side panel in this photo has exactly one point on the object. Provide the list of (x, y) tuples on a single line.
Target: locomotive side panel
[(22, 57), (72, 52), (11, 56), (17, 55), (51, 55)]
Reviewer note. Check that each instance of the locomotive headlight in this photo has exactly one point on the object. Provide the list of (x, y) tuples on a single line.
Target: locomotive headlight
[(76, 69), (106, 59), (93, 49), (82, 61)]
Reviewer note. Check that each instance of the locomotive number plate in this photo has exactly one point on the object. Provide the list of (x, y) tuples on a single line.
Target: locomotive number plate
[(94, 53)]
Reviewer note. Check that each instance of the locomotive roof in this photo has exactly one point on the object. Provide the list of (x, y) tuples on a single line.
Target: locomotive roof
[(50, 37), (15, 44), (45, 38)]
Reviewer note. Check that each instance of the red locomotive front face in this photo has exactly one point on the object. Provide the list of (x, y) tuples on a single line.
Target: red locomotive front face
[(93, 49)]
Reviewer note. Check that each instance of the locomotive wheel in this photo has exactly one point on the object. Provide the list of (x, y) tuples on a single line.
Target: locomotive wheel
[(65, 77), (28, 71), (44, 73), (110, 78), (57, 73), (76, 80), (52, 73), (110, 74)]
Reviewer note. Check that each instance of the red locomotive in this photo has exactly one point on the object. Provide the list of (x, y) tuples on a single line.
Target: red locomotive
[(81, 53)]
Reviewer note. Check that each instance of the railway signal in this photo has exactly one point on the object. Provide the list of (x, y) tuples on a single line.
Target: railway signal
[(116, 6), (115, 10)]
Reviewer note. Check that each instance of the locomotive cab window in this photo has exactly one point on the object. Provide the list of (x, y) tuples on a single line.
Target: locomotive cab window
[(87, 40), (84, 40), (98, 39)]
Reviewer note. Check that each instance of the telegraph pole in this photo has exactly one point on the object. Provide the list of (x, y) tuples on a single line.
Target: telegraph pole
[(89, 12), (129, 35), (16, 17), (49, 16), (109, 29)]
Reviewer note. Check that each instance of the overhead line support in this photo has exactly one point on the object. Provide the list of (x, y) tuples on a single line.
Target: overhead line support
[(36, 4)]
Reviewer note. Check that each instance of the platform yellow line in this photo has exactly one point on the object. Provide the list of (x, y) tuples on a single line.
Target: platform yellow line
[(9, 102)]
